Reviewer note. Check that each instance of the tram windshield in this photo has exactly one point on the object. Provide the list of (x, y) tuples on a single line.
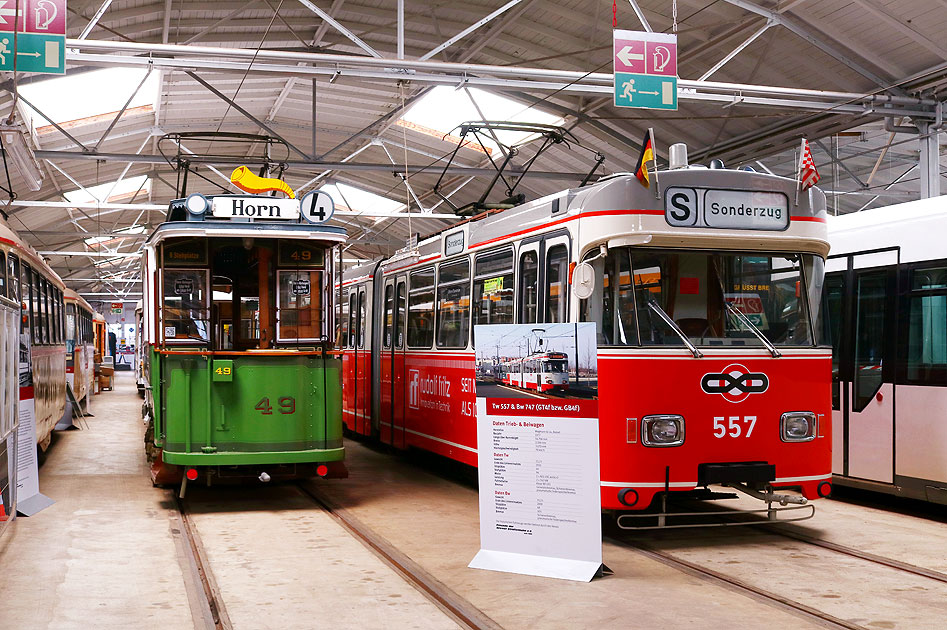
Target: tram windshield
[(555, 367), (238, 294), (714, 298)]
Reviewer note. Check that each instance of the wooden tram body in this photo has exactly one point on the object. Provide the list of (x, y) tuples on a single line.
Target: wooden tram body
[(723, 407), (241, 379), (31, 283), (80, 344)]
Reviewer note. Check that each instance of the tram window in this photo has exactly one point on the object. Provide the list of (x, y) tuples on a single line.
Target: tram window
[(343, 337), (870, 299), (421, 309), (3, 274), (453, 304), (557, 283), (37, 318), (399, 317), (529, 288), (926, 353), (353, 318), (493, 288), (250, 318), (300, 305), (44, 310), (598, 307), (361, 318), (70, 328), (185, 313), (54, 314), (13, 276), (389, 315)]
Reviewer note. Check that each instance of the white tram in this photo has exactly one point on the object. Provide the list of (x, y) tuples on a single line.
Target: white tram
[(27, 280), (886, 316), (705, 289), (541, 372), (80, 345)]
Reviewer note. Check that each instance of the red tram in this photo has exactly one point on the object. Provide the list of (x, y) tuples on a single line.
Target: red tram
[(542, 372), (705, 290)]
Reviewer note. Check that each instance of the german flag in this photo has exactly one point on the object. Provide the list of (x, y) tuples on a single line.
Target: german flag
[(647, 155)]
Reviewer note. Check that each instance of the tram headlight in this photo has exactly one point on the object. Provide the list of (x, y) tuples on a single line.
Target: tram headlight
[(797, 426), (196, 204), (662, 430)]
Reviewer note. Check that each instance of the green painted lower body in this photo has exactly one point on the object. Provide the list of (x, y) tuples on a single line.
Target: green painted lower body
[(283, 409)]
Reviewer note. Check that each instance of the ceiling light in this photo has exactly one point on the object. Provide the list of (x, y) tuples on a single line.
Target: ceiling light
[(20, 153)]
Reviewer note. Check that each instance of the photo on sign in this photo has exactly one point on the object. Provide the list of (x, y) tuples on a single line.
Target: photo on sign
[(537, 360)]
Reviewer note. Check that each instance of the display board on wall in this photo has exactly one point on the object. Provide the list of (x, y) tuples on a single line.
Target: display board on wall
[(538, 450)]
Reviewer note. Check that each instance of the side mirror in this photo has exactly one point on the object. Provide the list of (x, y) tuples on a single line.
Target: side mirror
[(583, 280)]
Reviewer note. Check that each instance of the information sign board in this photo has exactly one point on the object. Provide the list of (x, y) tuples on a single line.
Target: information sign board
[(645, 69), (40, 36)]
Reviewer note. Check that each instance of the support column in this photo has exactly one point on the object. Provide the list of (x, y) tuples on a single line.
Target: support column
[(929, 160), (267, 306)]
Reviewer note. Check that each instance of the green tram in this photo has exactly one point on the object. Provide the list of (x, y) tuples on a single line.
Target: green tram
[(241, 377)]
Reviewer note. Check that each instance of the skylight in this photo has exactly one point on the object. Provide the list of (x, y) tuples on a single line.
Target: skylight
[(445, 107), (78, 96), (98, 193), (360, 200)]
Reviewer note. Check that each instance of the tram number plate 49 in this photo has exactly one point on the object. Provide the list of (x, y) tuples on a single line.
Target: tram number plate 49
[(285, 405), (733, 426)]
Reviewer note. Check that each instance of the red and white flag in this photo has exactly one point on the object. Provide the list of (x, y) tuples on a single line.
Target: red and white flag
[(808, 176)]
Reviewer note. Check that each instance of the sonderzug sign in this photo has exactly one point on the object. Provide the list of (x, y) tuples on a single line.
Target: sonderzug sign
[(727, 209), (255, 208)]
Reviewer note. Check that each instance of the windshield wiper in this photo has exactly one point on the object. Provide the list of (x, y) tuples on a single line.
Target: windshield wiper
[(740, 315), (670, 322)]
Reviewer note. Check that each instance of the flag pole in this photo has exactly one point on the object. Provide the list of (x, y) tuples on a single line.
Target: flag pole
[(654, 160), (802, 152)]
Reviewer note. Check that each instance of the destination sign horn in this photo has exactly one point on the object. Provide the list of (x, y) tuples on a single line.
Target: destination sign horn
[(257, 208)]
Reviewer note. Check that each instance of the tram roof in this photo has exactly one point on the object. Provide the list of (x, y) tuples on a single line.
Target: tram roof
[(223, 229)]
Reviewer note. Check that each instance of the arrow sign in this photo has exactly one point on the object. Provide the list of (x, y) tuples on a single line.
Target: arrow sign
[(627, 57)]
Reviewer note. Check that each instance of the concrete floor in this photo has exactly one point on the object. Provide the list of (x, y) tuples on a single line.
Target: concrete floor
[(106, 555)]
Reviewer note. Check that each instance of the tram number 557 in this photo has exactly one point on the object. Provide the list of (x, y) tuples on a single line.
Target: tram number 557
[(287, 405), (733, 426)]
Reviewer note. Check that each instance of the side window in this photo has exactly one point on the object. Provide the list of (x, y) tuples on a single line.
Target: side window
[(493, 288), (299, 305), (353, 318), (185, 313), (35, 312), (44, 309), (529, 288), (361, 318), (400, 315), (13, 276), (3, 274), (557, 284), (830, 326), (453, 304), (343, 335), (70, 328), (870, 299), (421, 309), (389, 315), (926, 355)]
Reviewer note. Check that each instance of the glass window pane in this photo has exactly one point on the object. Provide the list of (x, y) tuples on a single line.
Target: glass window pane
[(37, 311), (3, 274), (421, 309), (529, 287), (343, 335), (299, 311), (557, 283), (830, 327), (361, 318), (869, 336), (389, 314), (13, 275), (926, 356), (453, 305), (400, 315), (185, 313), (70, 328), (493, 288)]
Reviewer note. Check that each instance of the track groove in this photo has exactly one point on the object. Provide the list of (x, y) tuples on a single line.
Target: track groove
[(196, 557)]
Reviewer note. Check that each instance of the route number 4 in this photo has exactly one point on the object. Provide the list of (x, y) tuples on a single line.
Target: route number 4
[(733, 426)]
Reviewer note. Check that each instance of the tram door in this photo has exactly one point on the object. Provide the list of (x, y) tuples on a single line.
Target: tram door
[(392, 363), (861, 311), (363, 368)]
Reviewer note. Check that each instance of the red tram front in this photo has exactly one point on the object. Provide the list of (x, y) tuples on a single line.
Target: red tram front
[(705, 290)]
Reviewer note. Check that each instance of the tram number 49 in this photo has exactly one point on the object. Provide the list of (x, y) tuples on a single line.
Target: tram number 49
[(733, 426), (287, 405)]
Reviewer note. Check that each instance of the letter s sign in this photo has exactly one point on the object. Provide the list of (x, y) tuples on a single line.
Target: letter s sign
[(680, 206)]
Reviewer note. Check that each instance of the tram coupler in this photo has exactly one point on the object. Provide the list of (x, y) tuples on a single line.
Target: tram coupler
[(768, 497)]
